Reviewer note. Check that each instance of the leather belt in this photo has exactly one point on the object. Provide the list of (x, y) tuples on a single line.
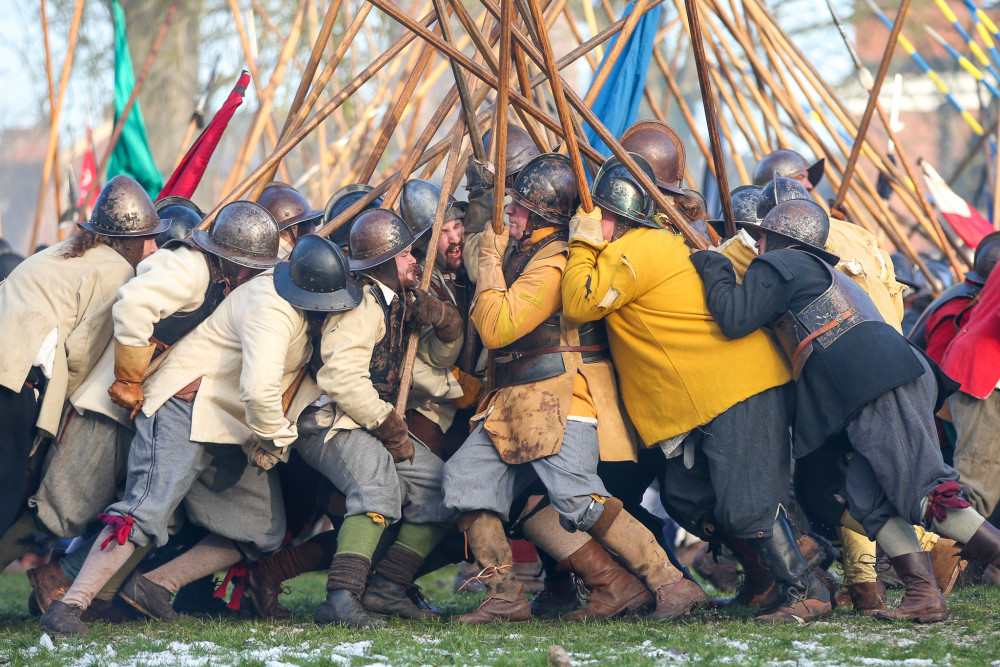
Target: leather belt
[(835, 322), (514, 356)]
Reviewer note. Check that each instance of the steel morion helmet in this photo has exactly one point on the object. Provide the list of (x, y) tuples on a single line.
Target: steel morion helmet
[(663, 149), (376, 237), (616, 190), (317, 277), (987, 254), (184, 216), (339, 202), (124, 209), (418, 203), (799, 220), (287, 205), (778, 190), (789, 164), (243, 233), (546, 187), (520, 148)]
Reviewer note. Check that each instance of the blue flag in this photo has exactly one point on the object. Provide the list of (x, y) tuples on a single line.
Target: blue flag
[(617, 105)]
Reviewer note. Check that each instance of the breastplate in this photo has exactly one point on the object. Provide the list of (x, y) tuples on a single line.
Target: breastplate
[(387, 357)]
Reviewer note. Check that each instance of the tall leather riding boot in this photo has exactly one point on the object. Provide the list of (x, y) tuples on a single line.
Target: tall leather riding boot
[(613, 589), (805, 597), (948, 564), (984, 546), (922, 602), (758, 589), (504, 593), (619, 532), (266, 575)]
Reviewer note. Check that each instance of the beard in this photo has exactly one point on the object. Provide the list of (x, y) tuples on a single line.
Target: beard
[(453, 257)]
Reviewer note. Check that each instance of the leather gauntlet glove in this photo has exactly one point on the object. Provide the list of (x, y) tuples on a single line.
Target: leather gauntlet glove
[(479, 186), (395, 438), (130, 366), (428, 310)]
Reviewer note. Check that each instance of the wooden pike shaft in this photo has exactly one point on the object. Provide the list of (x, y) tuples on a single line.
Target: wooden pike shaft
[(454, 154), (872, 101), (711, 116), (319, 45), (463, 84), (52, 99), (50, 151), (140, 80), (602, 74), (498, 136)]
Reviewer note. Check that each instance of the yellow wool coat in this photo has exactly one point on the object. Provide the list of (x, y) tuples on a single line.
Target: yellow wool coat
[(676, 368)]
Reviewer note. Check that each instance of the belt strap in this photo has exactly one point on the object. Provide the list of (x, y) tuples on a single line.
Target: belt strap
[(514, 356), (835, 322)]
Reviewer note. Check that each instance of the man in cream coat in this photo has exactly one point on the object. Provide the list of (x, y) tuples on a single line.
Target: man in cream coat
[(221, 386), (54, 323)]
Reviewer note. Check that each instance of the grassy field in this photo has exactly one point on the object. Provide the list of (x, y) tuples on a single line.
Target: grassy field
[(971, 636)]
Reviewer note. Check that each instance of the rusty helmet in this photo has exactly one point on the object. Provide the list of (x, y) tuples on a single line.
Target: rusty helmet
[(987, 255), (184, 215), (418, 203), (789, 164), (617, 190), (779, 189), (663, 149), (287, 205), (520, 148), (317, 277), (744, 199), (376, 237), (339, 202), (546, 187), (244, 233), (123, 208), (800, 220)]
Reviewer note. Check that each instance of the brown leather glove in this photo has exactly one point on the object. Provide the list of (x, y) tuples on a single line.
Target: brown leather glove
[(479, 186), (259, 456), (130, 366), (428, 310), (395, 437)]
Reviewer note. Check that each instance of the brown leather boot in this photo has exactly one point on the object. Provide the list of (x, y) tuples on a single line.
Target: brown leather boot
[(620, 533), (613, 589), (805, 596), (984, 545), (867, 597), (505, 598), (559, 594), (263, 591), (48, 582), (946, 559), (758, 589), (922, 602)]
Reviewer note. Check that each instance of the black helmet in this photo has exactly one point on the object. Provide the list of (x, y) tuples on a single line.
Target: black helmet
[(778, 190), (663, 149), (616, 190), (124, 209), (799, 220), (340, 202), (789, 164), (941, 273), (376, 237), (244, 233), (8, 261), (546, 187), (987, 254), (520, 149), (317, 277), (287, 205), (418, 204), (184, 216)]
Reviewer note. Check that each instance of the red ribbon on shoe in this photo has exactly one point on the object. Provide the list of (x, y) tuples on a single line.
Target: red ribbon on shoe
[(237, 574), (946, 496), (121, 528)]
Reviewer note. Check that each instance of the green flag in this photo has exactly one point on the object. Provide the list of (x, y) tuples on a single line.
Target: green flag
[(131, 155)]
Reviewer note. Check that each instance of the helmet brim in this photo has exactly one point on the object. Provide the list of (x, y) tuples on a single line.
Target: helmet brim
[(205, 241), (312, 216), (362, 264), (325, 302), (815, 171), (162, 225), (755, 230), (545, 215), (670, 188), (973, 277)]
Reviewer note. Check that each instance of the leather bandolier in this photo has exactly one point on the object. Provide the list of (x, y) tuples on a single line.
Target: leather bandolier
[(919, 333), (538, 355), (171, 329), (387, 357), (843, 306)]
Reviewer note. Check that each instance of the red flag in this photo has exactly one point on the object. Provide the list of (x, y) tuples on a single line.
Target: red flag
[(88, 178), (184, 181), (970, 226)]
